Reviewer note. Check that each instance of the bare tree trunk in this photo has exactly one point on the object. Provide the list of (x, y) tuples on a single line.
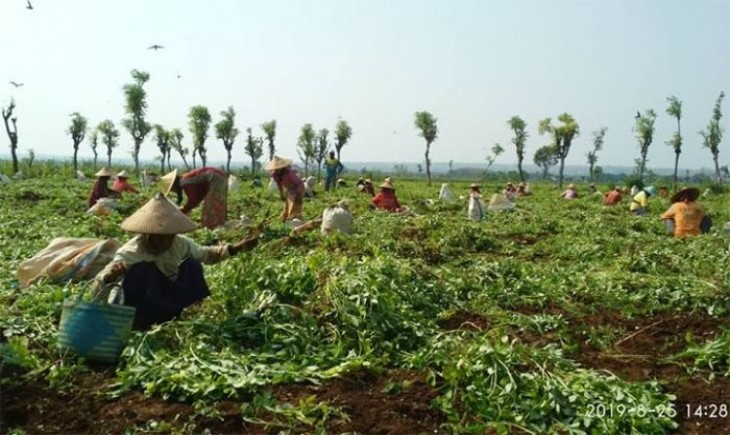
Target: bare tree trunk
[(162, 164), (641, 168), (338, 160), (718, 176), (560, 177), (319, 170), (95, 159), (544, 173), (137, 144), (76, 166), (228, 162), (428, 162), (590, 172), (253, 167), (168, 161), (519, 168), (194, 152), (109, 158), (676, 165), (272, 150)]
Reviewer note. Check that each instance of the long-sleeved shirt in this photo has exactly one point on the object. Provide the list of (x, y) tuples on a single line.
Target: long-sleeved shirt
[(196, 185), (122, 185), (99, 190), (386, 200), (135, 251), (290, 181), (687, 218), (640, 200), (612, 198)]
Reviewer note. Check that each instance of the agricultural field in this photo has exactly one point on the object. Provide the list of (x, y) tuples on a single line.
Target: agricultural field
[(558, 317)]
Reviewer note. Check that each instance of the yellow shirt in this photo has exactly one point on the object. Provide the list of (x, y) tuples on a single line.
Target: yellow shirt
[(687, 218), (640, 200)]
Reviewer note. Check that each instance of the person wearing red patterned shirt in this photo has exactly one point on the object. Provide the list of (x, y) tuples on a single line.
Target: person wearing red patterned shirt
[(386, 199), (100, 189), (287, 179), (204, 185), (121, 184)]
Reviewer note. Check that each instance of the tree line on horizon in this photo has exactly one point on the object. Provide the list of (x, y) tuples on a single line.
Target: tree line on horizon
[(313, 146)]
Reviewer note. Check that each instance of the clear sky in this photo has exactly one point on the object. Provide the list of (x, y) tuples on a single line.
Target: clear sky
[(471, 63)]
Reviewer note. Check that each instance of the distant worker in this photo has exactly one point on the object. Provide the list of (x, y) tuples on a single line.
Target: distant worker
[(475, 209), (286, 179), (204, 185), (100, 189), (333, 167), (685, 217), (640, 201), (341, 182), (523, 189), (510, 191), (445, 193), (570, 192), (386, 200), (121, 184), (612, 197)]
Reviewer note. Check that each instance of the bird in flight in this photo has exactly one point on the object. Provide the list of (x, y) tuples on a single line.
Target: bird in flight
[(155, 47), (179, 76), (30, 6), (17, 85), (638, 114)]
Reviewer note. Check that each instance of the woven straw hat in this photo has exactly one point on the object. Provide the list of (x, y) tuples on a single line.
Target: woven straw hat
[(571, 186), (277, 163), (692, 192), (387, 185), (123, 174), (473, 185), (158, 216), (388, 179), (103, 172), (167, 181), (499, 202)]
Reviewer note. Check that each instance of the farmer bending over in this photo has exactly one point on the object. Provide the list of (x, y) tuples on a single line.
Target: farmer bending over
[(286, 178), (640, 201), (206, 185), (121, 184), (100, 189), (161, 270), (685, 217)]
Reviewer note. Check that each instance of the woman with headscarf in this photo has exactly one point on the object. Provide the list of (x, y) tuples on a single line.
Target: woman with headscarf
[(100, 189), (204, 185), (160, 270), (475, 208), (286, 179), (121, 184), (685, 217)]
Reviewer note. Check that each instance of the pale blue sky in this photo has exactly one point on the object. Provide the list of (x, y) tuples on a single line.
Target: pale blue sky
[(473, 64)]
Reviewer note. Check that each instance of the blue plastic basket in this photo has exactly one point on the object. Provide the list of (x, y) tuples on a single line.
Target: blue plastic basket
[(95, 331)]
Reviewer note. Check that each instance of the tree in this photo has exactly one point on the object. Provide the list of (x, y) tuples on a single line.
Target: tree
[(176, 137), (645, 136), (199, 125), (162, 137), (320, 150), (419, 168), (496, 151), (518, 127), (426, 123), (93, 143), (675, 110), (306, 146), (226, 131), (563, 136), (712, 135), (545, 157), (12, 134), (254, 149), (269, 129), (136, 107), (109, 137), (598, 136), (343, 133), (77, 130)]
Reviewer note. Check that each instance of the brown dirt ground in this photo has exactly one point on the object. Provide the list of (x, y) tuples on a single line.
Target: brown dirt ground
[(39, 410)]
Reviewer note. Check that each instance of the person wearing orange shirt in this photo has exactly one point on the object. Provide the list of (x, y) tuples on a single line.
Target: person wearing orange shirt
[(121, 184), (685, 217), (612, 197)]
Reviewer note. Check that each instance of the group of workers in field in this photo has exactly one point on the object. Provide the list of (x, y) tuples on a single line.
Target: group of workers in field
[(160, 270)]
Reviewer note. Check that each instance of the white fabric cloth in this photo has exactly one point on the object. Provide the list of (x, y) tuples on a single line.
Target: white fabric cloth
[(476, 207), (232, 182), (135, 251), (445, 194), (309, 184), (337, 219)]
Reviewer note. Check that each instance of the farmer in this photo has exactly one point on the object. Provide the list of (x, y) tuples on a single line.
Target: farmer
[(570, 192), (337, 218), (612, 197), (333, 167), (445, 193), (523, 189), (341, 182), (206, 185), (475, 209), (509, 191), (121, 184), (685, 217), (100, 189), (161, 270), (640, 201), (286, 178), (386, 199)]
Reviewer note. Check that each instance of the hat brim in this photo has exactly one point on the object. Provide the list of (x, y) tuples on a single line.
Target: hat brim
[(158, 216), (692, 192), (167, 181), (278, 164)]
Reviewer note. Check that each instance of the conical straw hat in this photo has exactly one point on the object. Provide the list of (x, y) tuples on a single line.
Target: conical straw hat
[(123, 174), (387, 185), (158, 216), (167, 181), (103, 172), (499, 202), (692, 192), (277, 163)]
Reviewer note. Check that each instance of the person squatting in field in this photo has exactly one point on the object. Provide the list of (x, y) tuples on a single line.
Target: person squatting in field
[(570, 192), (206, 185), (286, 178), (640, 201), (386, 199), (121, 184), (612, 197), (160, 270), (332, 167), (365, 186), (100, 189), (685, 217)]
